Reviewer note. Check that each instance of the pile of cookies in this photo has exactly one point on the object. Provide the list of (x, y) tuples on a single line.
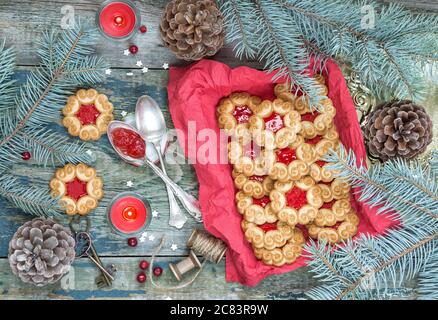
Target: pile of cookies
[(285, 191)]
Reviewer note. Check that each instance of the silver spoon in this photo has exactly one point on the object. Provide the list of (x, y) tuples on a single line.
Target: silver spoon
[(189, 202), (150, 122)]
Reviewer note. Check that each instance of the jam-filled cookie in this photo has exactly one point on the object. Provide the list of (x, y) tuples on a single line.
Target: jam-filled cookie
[(340, 231), (233, 114), (78, 187), (275, 124), (87, 114)]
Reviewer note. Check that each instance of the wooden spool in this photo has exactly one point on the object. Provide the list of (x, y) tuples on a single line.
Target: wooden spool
[(199, 233), (184, 266)]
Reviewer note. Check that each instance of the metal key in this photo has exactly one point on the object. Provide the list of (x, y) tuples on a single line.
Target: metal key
[(83, 248), (101, 280), (76, 221)]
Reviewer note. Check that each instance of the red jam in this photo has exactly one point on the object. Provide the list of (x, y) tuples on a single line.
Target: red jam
[(314, 140), (274, 122), (296, 198), (321, 163), (268, 227), (261, 202), (286, 155), (309, 116), (88, 114), (328, 205), (129, 143), (242, 114), (249, 151), (76, 189), (257, 178)]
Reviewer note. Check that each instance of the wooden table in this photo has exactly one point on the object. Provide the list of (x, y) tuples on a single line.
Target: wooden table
[(21, 22)]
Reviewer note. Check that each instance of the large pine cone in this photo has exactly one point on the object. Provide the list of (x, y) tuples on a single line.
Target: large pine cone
[(192, 29), (41, 252), (398, 129)]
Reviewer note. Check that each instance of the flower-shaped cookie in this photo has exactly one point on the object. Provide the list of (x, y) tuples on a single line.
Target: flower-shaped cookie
[(340, 231), (78, 188), (233, 114), (275, 124), (254, 186), (87, 114)]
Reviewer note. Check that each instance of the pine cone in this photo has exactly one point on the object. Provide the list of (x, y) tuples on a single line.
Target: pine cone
[(398, 129), (192, 29), (41, 252)]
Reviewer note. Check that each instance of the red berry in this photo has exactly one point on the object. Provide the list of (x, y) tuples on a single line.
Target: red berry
[(143, 264), (143, 29), (132, 242), (26, 155), (158, 271), (133, 49), (141, 277)]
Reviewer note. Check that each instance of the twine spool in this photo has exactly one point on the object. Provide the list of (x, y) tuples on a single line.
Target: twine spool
[(207, 246), (201, 243), (184, 266)]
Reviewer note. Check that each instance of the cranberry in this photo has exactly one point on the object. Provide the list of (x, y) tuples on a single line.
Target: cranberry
[(141, 277), (132, 242), (143, 264), (26, 155), (158, 271), (143, 29), (133, 49)]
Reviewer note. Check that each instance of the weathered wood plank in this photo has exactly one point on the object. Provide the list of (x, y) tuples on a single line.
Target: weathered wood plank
[(123, 91), (210, 284), (23, 21)]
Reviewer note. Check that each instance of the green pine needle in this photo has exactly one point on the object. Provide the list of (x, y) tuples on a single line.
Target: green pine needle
[(66, 63), (389, 55)]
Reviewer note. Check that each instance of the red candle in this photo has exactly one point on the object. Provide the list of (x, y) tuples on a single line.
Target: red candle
[(118, 19), (129, 213)]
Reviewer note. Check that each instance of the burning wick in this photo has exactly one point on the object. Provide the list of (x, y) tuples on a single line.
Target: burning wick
[(129, 213), (118, 20)]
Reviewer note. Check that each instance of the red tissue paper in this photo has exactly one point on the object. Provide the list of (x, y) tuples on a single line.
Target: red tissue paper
[(194, 93)]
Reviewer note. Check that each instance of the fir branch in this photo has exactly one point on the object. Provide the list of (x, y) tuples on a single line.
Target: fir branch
[(402, 253), (237, 32), (386, 56), (285, 53), (49, 85), (7, 89), (427, 282), (31, 199), (409, 192)]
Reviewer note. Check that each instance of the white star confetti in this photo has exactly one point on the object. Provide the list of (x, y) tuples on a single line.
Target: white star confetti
[(139, 63), (130, 74), (151, 237), (142, 240), (174, 247), (129, 183), (165, 66), (155, 213), (108, 71), (89, 152), (124, 113), (168, 298), (144, 70), (126, 52)]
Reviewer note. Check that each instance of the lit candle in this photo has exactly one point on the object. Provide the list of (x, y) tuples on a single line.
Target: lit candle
[(129, 213), (118, 20)]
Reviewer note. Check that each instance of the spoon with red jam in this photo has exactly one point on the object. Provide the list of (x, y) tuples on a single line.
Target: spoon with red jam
[(131, 147)]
